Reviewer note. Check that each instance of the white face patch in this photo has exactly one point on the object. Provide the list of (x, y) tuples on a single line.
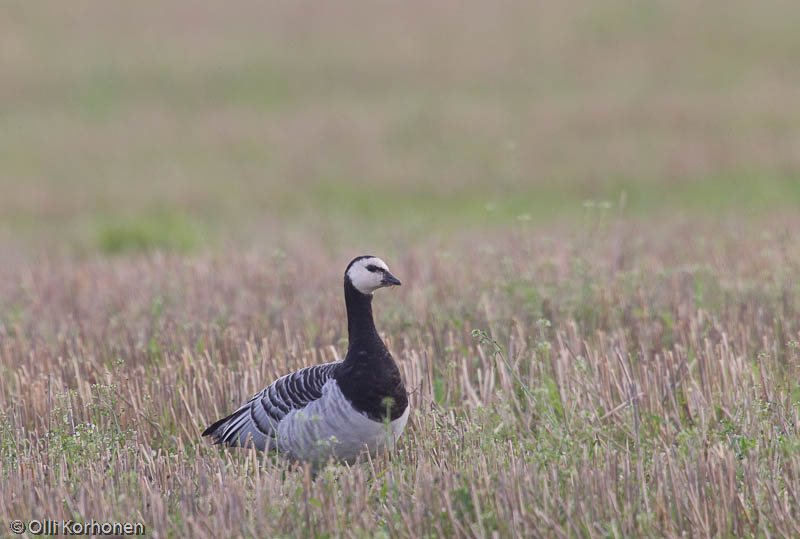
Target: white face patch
[(365, 280)]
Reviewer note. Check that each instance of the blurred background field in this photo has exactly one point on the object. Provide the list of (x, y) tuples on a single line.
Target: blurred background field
[(182, 126)]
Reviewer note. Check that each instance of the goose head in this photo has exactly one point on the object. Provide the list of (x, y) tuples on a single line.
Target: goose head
[(369, 273)]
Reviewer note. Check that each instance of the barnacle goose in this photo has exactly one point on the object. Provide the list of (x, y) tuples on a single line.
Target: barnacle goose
[(337, 409)]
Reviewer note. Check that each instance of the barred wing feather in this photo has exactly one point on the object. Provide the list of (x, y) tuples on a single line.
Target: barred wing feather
[(257, 420)]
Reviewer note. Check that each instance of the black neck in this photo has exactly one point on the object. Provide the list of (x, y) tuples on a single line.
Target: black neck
[(361, 330), (368, 374)]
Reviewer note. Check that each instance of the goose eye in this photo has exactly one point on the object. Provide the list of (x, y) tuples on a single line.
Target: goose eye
[(373, 268)]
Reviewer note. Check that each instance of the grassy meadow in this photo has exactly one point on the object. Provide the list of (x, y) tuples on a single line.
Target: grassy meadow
[(592, 207)]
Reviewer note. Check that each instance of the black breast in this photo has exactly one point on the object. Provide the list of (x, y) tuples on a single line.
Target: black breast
[(372, 384)]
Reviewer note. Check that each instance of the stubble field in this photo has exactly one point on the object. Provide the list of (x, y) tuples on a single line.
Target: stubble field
[(634, 384), (592, 207)]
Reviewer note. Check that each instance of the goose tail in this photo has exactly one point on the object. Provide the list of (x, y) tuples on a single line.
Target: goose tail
[(216, 429)]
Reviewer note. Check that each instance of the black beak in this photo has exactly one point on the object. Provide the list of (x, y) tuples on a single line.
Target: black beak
[(390, 280)]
